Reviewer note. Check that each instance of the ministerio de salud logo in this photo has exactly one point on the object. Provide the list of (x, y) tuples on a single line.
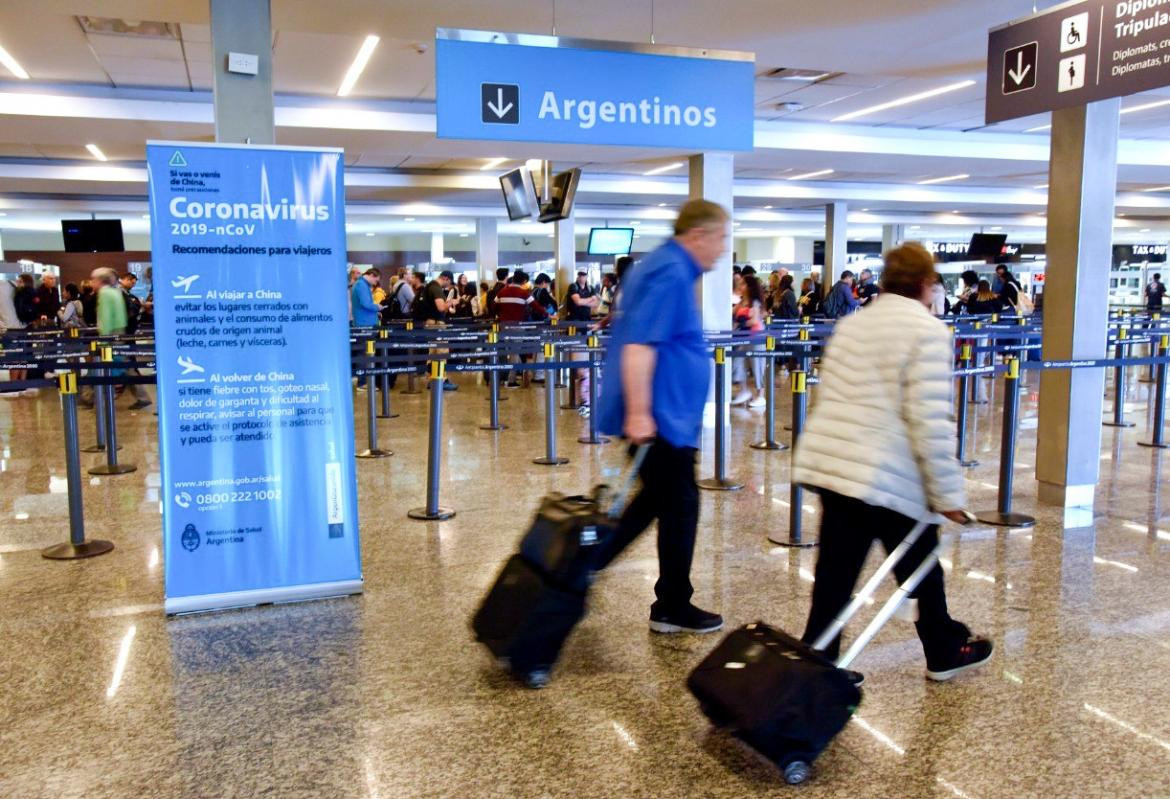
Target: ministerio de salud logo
[(190, 538)]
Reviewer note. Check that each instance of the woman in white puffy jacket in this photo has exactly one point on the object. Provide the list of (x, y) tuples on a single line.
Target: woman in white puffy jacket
[(879, 450)]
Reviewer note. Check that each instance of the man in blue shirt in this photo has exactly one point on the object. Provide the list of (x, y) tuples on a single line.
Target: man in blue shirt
[(365, 310), (657, 372)]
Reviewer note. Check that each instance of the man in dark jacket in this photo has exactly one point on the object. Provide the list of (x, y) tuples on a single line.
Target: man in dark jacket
[(133, 304), (841, 301), (47, 300)]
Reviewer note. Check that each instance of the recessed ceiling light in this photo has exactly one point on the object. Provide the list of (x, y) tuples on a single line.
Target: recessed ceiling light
[(369, 234), (1038, 128), (359, 63), (911, 98), (146, 216), (955, 211), (1121, 214), (1144, 230), (493, 163), (997, 227), (408, 219), (767, 208), (661, 205), (12, 65), (916, 227), (635, 223), (1145, 107), (1041, 187), (865, 210), (1158, 188), (808, 175), (3, 213), (96, 152), (947, 179), (667, 168)]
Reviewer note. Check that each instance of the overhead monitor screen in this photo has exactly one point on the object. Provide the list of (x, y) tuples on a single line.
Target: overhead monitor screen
[(611, 240), (519, 194), (92, 235), (986, 245)]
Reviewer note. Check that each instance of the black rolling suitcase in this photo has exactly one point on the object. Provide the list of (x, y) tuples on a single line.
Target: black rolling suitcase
[(784, 698), (540, 594)]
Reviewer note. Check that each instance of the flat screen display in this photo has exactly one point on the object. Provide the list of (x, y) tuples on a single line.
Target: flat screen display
[(519, 194), (611, 240), (986, 245), (92, 235), (562, 193)]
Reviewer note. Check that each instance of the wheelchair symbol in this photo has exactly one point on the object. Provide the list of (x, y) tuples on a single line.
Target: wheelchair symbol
[(1074, 36)]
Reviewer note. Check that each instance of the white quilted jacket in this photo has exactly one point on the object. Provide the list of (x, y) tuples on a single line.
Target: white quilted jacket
[(880, 427)]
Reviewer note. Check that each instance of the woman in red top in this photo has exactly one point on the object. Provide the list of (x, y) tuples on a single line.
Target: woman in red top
[(749, 315)]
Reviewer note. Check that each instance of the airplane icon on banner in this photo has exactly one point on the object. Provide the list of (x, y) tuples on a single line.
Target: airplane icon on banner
[(183, 284), (189, 366)]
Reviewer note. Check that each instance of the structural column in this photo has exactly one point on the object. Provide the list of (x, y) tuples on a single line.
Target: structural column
[(892, 236), (243, 103), (836, 244), (437, 253), (1082, 177), (712, 177), (565, 255), (487, 248)]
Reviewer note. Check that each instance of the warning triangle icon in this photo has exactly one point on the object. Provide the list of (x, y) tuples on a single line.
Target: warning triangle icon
[(178, 160)]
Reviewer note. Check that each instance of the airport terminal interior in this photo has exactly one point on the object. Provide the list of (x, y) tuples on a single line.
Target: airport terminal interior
[(307, 592)]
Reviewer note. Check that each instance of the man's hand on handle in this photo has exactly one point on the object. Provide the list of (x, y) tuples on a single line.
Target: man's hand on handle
[(640, 428)]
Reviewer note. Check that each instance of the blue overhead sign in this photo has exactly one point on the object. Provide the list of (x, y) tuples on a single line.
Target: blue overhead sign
[(520, 87)]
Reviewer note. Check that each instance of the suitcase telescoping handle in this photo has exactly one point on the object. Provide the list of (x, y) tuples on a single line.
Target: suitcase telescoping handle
[(627, 483), (870, 588)]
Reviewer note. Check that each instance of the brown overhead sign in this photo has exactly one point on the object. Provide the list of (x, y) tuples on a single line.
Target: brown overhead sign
[(1076, 53)]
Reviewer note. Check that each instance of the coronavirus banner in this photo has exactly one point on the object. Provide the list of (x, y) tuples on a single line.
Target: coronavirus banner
[(255, 410)]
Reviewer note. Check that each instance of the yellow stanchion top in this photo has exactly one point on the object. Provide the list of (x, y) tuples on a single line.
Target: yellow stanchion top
[(1165, 342), (410, 324), (572, 330), (770, 344), (1122, 332), (383, 333), (93, 346), (994, 318), (1013, 372), (67, 383), (719, 355), (966, 352), (74, 332), (549, 349), (592, 341), (107, 354), (370, 347), (438, 370), (493, 337), (799, 382), (804, 334)]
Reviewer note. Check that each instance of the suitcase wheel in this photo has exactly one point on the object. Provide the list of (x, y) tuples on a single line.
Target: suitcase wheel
[(536, 679), (797, 772)]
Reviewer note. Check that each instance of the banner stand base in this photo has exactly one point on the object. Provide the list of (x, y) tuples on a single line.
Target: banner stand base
[(260, 596)]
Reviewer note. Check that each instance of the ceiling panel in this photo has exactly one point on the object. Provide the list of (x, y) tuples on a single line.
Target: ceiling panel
[(127, 46)]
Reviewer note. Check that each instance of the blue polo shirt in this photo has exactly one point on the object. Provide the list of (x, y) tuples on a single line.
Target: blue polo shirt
[(658, 308)]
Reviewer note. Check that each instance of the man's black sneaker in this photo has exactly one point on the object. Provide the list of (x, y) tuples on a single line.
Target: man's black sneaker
[(970, 655), (855, 677), (450, 386), (512, 385), (689, 619), (137, 406)]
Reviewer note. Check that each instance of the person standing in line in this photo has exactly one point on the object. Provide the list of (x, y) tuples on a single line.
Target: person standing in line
[(1010, 288), (654, 390), (969, 282), (608, 287), (749, 316), (983, 301), (10, 322), (112, 321), (515, 304), (581, 299), (89, 303), (366, 312), (841, 301), (810, 298), (69, 315), (25, 300), (133, 305), (939, 304), (543, 297), (879, 450), (501, 282), (867, 289), (786, 305), (48, 301), (1155, 292)]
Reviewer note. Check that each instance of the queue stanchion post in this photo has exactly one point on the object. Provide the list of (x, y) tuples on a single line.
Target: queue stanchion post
[(411, 378), (1003, 516), (1157, 439), (720, 482), (111, 466), (550, 457), (770, 443), (965, 362), (1119, 381), (384, 380), (493, 339), (574, 382), (99, 410), (77, 547), (975, 398), (802, 362), (1153, 322), (371, 450), (433, 511), (795, 491), (594, 436)]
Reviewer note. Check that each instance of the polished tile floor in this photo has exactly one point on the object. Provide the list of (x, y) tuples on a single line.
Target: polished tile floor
[(386, 695)]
